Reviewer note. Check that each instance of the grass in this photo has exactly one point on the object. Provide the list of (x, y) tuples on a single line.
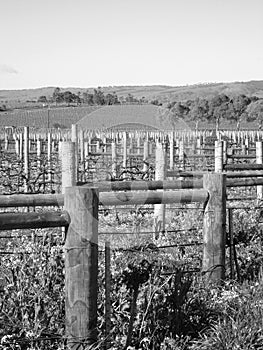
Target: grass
[(40, 118)]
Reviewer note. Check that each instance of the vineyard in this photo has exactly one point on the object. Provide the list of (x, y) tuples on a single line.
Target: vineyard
[(136, 239)]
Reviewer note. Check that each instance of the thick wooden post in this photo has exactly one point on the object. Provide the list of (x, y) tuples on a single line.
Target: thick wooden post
[(107, 294), (259, 160), (160, 171), (214, 229), (231, 241), (68, 164), (81, 267)]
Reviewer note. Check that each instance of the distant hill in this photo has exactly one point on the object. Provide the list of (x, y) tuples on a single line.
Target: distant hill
[(160, 92)]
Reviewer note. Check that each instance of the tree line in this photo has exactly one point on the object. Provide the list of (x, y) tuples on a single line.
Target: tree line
[(221, 107), (97, 97)]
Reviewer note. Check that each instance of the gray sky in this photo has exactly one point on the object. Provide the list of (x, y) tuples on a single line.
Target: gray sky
[(91, 43)]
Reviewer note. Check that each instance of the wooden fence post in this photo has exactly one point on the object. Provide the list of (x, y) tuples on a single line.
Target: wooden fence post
[(74, 138), (259, 160), (68, 164), (6, 142), (224, 150), (160, 170), (107, 294), (114, 158), (171, 142), (49, 153), (82, 155), (138, 145), (198, 145), (26, 157), (181, 158), (39, 147), (81, 267), (145, 154), (218, 156), (21, 146), (231, 241), (124, 152), (214, 229), (17, 145)]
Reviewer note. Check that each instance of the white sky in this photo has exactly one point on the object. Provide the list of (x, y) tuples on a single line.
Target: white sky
[(90, 43)]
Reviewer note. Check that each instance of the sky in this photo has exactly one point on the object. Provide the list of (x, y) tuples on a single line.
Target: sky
[(91, 43)]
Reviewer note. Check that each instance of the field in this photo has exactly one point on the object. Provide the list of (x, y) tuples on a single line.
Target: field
[(45, 118), (159, 297)]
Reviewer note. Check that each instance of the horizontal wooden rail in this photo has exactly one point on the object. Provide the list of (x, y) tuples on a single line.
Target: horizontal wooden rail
[(243, 182), (185, 173), (243, 167), (31, 200), (107, 186), (194, 156), (153, 197), (239, 174), (111, 198), (13, 221), (242, 156)]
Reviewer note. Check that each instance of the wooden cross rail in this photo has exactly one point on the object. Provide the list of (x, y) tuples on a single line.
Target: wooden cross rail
[(242, 156), (229, 174), (243, 174), (243, 167), (13, 221), (244, 182), (108, 199), (106, 186)]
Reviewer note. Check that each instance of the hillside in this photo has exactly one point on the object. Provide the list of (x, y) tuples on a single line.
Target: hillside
[(161, 92), (126, 116)]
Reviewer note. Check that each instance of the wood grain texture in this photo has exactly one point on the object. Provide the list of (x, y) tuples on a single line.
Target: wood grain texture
[(81, 266), (214, 227)]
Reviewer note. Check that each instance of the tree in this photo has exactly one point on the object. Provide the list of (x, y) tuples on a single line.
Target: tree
[(68, 97), (131, 99), (3, 108), (42, 99), (56, 96), (237, 107), (199, 109), (98, 97), (111, 99), (255, 111)]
